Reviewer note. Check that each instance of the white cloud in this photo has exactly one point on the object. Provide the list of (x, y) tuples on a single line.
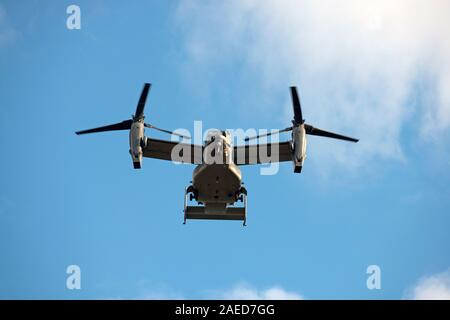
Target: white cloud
[(362, 67), (435, 287), (156, 295), (245, 292), (157, 291), (240, 291)]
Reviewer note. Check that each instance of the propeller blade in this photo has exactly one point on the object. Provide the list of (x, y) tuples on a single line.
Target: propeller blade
[(141, 104), (150, 126), (268, 134), (298, 117), (124, 125), (322, 133)]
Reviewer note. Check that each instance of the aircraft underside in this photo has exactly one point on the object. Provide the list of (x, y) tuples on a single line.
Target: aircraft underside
[(216, 188)]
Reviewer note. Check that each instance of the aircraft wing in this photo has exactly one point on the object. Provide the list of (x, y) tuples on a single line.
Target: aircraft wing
[(262, 153), (173, 151)]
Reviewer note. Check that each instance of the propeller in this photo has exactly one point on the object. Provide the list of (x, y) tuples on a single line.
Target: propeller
[(322, 133), (298, 117), (141, 104), (298, 120), (124, 125), (139, 115)]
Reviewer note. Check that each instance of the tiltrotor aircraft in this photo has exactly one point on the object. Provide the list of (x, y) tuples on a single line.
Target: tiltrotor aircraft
[(217, 180)]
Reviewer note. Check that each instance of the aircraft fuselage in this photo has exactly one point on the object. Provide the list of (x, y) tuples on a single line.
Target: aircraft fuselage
[(217, 182)]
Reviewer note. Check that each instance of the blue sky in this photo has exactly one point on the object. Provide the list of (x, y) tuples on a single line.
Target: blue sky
[(66, 199)]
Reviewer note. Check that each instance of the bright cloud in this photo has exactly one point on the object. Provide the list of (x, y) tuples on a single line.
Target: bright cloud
[(156, 295), (363, 68), (435, 287), (245, 292), (240, 291)]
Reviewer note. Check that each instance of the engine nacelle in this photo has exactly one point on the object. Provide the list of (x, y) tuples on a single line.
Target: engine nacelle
[(137, 140), (299, 147)]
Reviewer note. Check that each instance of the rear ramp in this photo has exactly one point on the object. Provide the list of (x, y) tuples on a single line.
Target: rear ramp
[(228, 213)]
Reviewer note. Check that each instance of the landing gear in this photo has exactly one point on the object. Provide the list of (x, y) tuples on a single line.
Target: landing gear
[(241, 194), (242, 197), (193, 194)]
